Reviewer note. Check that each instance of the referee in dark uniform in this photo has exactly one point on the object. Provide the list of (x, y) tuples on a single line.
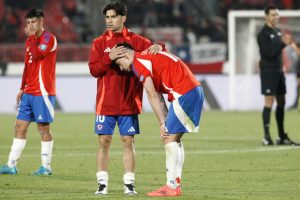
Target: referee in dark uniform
[(271, 42)]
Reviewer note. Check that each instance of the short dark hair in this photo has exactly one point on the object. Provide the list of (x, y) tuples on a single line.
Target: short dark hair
[(125, 44), (34, 13), (117, 6), (268, 8)]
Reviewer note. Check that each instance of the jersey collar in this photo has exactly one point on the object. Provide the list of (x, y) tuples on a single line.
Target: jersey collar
[(125, 33)]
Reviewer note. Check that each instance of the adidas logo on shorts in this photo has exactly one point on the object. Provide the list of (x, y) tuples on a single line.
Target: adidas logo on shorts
[(131, 129)]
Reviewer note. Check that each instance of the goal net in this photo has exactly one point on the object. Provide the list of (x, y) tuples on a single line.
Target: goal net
[(243, 52)]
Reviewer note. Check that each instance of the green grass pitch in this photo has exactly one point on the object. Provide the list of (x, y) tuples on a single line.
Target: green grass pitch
[(224, 161)]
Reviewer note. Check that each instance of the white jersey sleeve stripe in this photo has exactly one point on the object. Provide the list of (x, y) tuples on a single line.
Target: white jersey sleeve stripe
[(173, 57), (54, 45), (146, 63)]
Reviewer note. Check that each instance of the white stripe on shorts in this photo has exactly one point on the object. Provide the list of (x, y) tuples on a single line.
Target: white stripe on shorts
[(45, 94), (183, 118)]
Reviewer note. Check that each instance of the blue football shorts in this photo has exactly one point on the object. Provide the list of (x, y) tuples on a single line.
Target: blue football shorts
[(39, 109), (128, 124), (185, 112)]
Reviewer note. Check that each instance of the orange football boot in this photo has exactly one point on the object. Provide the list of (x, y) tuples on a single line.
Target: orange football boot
[(165, 191)]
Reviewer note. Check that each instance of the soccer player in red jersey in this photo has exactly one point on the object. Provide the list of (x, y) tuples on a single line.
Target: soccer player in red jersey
[(36, 97), (119, 96), (164, 73)]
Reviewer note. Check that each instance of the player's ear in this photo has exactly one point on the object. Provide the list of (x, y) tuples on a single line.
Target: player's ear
[(123, 19), (41, 21)]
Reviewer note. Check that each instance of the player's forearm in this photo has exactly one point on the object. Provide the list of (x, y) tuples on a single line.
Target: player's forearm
[(163, 104), (97, 69), (271, 51), (268, 49), (23, 83), (99, 64), (33, 48), (155, 102)]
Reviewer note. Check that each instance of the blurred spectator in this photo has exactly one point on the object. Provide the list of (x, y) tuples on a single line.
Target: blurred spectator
[(3, 68), (150, 13), (9, 26), (24, 5), (72, 20), (70, 8), (190, 35), (135, 12), (179, 12)]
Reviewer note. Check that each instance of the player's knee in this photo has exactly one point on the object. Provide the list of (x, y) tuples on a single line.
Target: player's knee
[(43, 129), (20, 131), (104, 142), (129, 140)]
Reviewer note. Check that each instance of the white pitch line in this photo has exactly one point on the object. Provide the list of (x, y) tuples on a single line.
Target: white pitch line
[(222, 151)]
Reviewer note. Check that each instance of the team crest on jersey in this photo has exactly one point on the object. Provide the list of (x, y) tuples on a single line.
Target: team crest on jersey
[(43, 47), (141, 78)]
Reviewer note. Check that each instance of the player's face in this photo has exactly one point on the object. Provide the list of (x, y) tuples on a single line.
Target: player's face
[(35, 24), (113, 21), (124, 64), (273, 17)]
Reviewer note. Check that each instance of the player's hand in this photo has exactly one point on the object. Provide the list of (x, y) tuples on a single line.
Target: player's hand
[(163, 134), (19, 95), (116, 52), (154, 49), (29, 31)]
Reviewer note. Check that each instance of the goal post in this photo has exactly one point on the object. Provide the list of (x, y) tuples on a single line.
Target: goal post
[(243, 52)]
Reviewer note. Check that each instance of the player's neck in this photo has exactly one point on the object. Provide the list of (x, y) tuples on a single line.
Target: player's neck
[(271, 25), (119, 30)]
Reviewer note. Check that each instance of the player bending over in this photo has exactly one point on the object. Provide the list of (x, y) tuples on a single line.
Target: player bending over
[(164, 73)]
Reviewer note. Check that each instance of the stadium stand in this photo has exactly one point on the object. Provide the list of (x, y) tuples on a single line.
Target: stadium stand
[(200, 21)]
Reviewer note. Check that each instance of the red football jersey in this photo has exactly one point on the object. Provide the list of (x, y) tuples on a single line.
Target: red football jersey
[(118, 92), (168, 72), (40, 60)]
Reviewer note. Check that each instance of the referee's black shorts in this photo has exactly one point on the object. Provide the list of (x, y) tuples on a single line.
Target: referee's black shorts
[(272, 82)]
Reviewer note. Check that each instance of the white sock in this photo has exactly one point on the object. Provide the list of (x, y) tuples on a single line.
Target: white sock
[(15, 151), (180, 161), (171, 163), (128, 178), (46, 153), (102, 177)]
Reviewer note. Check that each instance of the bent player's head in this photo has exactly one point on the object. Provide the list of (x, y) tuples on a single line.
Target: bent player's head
[(115, 16), (125, 61), (272, 16), (35, 20)]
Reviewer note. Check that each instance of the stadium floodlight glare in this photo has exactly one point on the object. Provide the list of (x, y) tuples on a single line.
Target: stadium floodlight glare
[(243, 53)]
